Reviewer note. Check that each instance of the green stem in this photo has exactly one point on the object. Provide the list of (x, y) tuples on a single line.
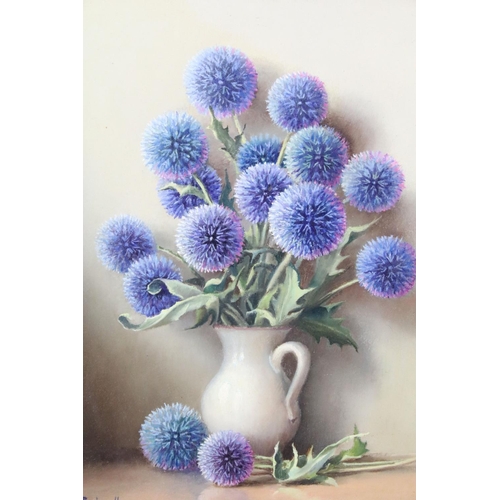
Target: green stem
[(279, 271), (367, 466), (239, 129), (283, 147), (264, 233), (329, 295), (177, 256), (203, 189)]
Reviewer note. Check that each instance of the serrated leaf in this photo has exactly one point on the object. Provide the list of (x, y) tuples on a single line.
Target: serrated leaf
[(319, 323), (262, 310), (175, 287), (291, 472), (286, 304), (171, 314), (327, 266), (230, 146), (357, 450), (184, 190), (225, 198)]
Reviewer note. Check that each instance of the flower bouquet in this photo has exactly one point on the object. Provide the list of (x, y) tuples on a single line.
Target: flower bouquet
[(277, 240)]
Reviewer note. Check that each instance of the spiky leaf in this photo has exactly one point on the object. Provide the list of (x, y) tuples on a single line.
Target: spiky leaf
[(184, 190), (225, 198), (319, 323), (286, 304), (230, 146), (305, 468)]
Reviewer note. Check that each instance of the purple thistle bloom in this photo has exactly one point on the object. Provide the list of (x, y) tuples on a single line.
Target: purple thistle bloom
[(307, 220), (122, 240), (177, 205), (259, 149), (296, 101), (256, 189), (171, 436), (140, 274), (174, 146), (317, 154), (372, 181), (386, 267), (210, 238), (221, 78), (226, 458)]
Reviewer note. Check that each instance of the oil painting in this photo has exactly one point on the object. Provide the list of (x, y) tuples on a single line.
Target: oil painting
[(249, 250)]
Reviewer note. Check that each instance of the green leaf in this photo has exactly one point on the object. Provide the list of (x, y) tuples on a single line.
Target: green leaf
[(319, 323), (286, 305), (204, 314), (198, 281), (327, 266), (357, 450), (217, 285), (222, 134), (171, 314), (225, 198), (262, 310), (184, 190), (305, 468), (176, 287)]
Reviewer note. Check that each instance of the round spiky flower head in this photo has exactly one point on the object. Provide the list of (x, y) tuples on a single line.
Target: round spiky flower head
[(177, 205), (386, 267), (221, 78), (307, 220), (257, 188), (140, 274), (296, 101), (226, 458), (317, 154), (122, 240), (210, 238), (262, 148), (372, 181), (174, 146), (171, 435)]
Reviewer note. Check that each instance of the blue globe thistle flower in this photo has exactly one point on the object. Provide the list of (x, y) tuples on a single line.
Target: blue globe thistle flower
[(177, 205), (210, 238), (171, 436), (372, 181), (140, 274), (259, 149), (386, 267), (122, 240), (317, 154), (174, 146), (221, 78), (307, 220), (296, 101), (256, 189), (226, 458)]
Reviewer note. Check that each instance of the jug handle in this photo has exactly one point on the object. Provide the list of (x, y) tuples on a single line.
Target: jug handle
[(303, 356)]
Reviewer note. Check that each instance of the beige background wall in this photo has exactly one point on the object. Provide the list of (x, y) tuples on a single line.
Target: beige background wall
[(135, 53)]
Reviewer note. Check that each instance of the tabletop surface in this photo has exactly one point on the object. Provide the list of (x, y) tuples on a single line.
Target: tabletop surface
[(140, 481)]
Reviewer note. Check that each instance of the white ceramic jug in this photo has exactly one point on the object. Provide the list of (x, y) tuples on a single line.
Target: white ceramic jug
[(251, 394)]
